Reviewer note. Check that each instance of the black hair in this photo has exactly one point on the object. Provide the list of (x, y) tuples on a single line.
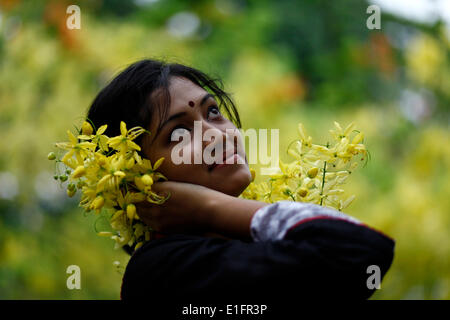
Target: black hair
[(129, 96)]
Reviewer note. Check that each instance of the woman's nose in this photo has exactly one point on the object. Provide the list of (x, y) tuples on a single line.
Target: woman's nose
[(214, 138)]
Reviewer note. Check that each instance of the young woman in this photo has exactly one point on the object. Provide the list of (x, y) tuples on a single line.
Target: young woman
[(212, 245)]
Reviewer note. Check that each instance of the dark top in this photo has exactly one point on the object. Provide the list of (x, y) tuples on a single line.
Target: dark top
[(323, 257)]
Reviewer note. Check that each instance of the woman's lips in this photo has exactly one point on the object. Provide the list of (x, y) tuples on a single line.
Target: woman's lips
[(234, 157)]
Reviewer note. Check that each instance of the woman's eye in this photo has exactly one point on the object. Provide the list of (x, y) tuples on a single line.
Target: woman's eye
[(177, 133), (214, 111)]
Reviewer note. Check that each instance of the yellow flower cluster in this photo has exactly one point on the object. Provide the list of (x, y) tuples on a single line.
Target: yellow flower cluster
[(317, 173), (112, 176)]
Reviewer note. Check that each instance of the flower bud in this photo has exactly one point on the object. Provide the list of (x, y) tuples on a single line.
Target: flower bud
[(86, 128), (311, 183), (105, 234), (302, 192), (138, 245), (80, 184), (63, 178), (139, 184), (71, 192), (116, 215), (358, 138), (51, 156), (147, 180), (79, 172), (101, 161), (158, 163), (97, 203), (119, 174), (131, 211), (312, 173), (253, 173)]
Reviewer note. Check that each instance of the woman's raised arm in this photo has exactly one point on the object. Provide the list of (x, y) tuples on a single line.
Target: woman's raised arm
[(196, 209)]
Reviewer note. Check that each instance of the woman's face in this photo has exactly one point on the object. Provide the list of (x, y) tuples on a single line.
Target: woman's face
[(190, 103)]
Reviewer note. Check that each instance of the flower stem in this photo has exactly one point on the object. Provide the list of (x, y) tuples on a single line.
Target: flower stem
[(323, 179)]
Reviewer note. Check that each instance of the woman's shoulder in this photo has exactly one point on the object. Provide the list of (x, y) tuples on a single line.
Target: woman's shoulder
[(172, 247), (166, 260), (163, 240)]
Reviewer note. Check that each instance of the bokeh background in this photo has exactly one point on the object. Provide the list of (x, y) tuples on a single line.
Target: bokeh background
[(284, 61)]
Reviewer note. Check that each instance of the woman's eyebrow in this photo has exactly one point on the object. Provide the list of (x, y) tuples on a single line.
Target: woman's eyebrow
[(205, 97), (182, 114), (173, 117)]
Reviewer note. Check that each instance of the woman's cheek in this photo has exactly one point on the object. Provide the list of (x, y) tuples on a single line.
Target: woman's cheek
[(183, 152)]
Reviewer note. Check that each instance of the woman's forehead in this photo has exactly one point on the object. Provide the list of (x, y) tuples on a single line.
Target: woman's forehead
[(182, 91)]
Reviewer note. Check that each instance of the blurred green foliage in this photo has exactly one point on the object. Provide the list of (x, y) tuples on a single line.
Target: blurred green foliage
[(284, 62)]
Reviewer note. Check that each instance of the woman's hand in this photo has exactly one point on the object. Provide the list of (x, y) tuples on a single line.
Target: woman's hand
[(192, 208), (186, 209)]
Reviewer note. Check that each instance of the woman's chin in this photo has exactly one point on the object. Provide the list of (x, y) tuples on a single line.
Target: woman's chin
[(233, 182)]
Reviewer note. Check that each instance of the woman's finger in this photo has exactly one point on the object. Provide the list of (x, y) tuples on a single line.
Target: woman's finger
[(146, 215), (145, 210), (162, 188)]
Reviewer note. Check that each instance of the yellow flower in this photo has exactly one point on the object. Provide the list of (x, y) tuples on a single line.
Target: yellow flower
[(129, 198), (114, 175), (288, 171), (306, 140), (317, 173), (99, 138), (114, 181), (124, 142), (80, 150), (339, 133)]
